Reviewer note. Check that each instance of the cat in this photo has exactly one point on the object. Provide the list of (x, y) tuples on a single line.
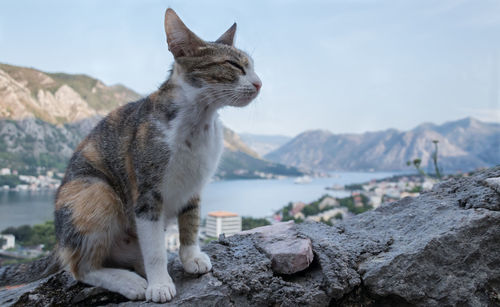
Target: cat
[(144, 165)]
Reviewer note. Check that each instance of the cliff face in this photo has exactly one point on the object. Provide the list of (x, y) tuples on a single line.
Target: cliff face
[(440, 249), (56, 98)]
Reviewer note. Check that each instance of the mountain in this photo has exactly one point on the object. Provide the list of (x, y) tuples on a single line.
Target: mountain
[(43, 117), (56, 98), (263, 144), (234, 143), (463, 145)]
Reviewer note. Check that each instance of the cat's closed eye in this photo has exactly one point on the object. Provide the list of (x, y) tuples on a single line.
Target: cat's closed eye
[(238, 66)]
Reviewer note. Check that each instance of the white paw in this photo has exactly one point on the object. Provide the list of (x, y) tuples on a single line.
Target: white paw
[(197, 263), (134, 287), (160, 292)]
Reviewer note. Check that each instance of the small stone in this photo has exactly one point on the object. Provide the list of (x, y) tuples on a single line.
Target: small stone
[(493, 183), (288, 251)]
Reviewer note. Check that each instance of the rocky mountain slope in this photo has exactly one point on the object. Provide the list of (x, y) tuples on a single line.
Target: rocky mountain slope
[(43, 117), (439, 249), (56, 98), (463, 145)]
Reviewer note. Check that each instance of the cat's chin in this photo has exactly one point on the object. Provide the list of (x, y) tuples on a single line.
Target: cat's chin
[(240, 104)]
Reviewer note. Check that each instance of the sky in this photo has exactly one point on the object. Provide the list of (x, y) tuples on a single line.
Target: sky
[(347, 66)]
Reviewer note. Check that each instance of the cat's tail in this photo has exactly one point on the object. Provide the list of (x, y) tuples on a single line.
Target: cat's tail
[(16, 274)]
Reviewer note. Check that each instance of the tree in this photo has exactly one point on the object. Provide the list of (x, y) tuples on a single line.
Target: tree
[(36, 235), (250, 222), (22, 233)]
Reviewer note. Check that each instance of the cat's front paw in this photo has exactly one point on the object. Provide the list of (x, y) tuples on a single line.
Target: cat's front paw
[(160, 292), (194, 261)]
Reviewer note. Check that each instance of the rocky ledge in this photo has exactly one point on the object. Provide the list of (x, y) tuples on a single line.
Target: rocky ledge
[(439, 249)]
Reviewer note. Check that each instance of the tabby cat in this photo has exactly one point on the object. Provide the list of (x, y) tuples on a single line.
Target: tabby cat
[(144, 165)]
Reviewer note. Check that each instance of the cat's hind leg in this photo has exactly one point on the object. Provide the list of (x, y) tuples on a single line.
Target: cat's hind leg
[(126, 253), (193, 259), (91, 268), (89, 219)]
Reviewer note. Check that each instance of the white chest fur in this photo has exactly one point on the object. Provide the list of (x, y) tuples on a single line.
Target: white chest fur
[(194, 155)]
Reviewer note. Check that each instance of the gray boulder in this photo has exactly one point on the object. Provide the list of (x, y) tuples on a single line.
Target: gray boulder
[(439, 249)]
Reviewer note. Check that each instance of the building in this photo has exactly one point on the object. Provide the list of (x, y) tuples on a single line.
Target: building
[(5, 171), (222, 222), (10, 241), (172, 242)]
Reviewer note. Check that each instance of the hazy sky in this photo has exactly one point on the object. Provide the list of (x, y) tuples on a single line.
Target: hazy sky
[(345, 66)]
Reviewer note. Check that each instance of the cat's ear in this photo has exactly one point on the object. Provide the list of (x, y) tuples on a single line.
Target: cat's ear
[(181, 41), (228, 37)]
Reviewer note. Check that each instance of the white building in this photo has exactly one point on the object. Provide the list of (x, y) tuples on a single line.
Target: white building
[(5, 171), (172, 242), (222, 222), (10, 241)]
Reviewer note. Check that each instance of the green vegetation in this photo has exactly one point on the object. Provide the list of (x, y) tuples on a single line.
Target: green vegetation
[(285, 213), (233, 161), (313, 208), (416, 189), (329, 223), (28, 161), (36, 235), (97, 95), (2, 242), (250, 222), (350, 204), (209, 239), (10, 180), (416, 162), (354, 187), (355, 204)]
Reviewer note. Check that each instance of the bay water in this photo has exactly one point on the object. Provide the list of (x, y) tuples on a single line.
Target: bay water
[(256, 198)]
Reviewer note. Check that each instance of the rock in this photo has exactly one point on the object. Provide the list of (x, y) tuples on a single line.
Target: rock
[(288, 251), (439, 249), (493, 183)]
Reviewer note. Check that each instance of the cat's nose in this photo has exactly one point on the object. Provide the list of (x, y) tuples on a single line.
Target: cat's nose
[(257, 84)]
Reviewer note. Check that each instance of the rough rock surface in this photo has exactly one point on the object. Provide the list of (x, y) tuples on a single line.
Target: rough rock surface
[(440, 249)]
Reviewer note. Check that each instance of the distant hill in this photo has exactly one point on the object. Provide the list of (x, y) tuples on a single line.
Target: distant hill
[(264, 144), (43, 117), (463, 145), (56, 98)]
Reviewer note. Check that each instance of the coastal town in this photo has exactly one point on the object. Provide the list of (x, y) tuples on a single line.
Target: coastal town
[(12, 180), (362, 197)]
